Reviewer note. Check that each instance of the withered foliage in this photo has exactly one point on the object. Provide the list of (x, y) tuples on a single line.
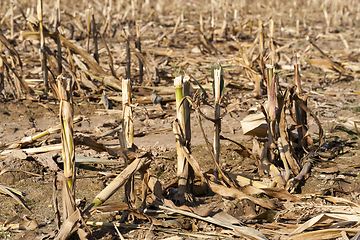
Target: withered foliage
[(229, 57)]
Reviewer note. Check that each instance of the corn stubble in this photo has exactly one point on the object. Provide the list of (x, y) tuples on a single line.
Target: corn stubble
[(285, 154), (184, 171), (281, 155), (127, 136), (68, 178)]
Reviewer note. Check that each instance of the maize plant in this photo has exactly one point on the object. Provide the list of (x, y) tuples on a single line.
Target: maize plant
[(67, 128), (182, 88)]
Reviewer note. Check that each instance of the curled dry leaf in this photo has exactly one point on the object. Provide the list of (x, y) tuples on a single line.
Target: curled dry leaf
[(14, 194), (255, 125)]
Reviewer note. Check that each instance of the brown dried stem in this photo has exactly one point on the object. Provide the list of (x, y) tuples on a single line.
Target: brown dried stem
[(127, 137), (42, 46)]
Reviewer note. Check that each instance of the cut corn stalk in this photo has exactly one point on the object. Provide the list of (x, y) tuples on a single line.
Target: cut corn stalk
[(127, 136), (218, 88), (66, 121), (128, 125), (182, 168)]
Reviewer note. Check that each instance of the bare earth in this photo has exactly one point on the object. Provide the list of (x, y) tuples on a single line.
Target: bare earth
[(333, 97)]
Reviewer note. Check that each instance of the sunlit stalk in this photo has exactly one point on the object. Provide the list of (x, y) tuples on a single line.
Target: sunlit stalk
[(128, 125), (217, 123), (128, 136), (66, 121), (182, 170)]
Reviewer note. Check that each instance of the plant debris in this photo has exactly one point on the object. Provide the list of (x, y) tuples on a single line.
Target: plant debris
[(278, 81)]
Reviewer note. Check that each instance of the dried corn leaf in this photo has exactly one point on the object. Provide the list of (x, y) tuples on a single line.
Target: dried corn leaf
[(340, 200), (244, 181), (285, 137), (324, 64), (315, 220), (235, 193), (97, 71), (281, 194), (276, 175), (307, 110), (11, 48), (333, 169), (323, 217), (48, 148), (69, 225), (99, 75), (76, 21), (112, 207), (241, 231), (90, 142), (255, 124), (22, 82), (14, 195), (220, 189), (272, 192), (324, 234), (27, 224)]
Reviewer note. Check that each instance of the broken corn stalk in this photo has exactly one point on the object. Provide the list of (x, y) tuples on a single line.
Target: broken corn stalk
[(182, 170), (218, 88), (67, 128)]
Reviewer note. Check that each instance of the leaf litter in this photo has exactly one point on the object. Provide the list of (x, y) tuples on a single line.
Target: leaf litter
[(288, 170)]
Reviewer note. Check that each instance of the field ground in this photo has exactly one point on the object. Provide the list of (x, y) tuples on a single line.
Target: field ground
[(172, 40)]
